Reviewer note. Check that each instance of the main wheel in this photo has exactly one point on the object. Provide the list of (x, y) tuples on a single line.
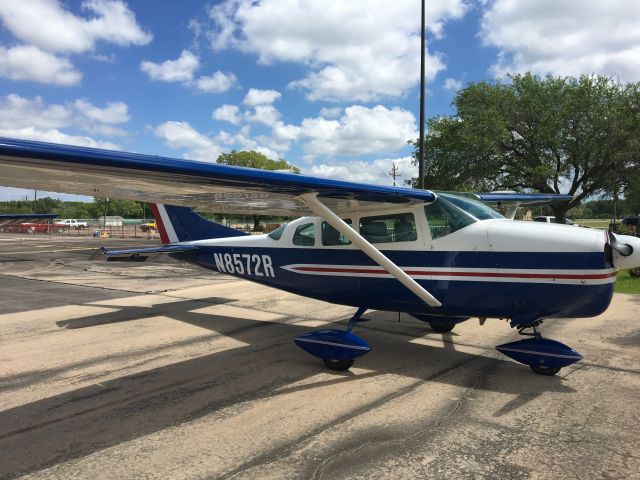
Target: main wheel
[(542, 370), (441, 327), (338, 365)]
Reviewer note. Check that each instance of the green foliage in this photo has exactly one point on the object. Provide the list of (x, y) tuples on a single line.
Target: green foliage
[(551, 135), (254, 159), (123, 208), (117, 207)]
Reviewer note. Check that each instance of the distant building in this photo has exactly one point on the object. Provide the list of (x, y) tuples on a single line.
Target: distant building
[(111, 221)]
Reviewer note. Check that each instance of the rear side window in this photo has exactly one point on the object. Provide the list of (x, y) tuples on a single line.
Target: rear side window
[(398, 227), (332, 237), (305, 235)]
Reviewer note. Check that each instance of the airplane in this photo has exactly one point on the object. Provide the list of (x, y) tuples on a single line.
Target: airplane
[(441, 257)]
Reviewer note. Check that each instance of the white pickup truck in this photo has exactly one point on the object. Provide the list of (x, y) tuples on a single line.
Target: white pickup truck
[(71, 223)]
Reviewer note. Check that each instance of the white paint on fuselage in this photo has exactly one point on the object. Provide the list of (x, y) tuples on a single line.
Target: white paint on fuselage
[(486, 235)]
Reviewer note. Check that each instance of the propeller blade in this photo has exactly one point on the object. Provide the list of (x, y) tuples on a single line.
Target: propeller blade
[(623, 249)]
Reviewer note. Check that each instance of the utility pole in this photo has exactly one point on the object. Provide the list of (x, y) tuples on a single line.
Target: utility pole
[(394, 173), (421, 139), (35, 201)]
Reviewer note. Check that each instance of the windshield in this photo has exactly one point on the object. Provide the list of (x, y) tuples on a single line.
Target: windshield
[(277, 233), (445, 218), (473, 207)]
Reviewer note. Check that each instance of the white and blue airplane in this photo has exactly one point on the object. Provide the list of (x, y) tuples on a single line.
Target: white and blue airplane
[(440, 257)]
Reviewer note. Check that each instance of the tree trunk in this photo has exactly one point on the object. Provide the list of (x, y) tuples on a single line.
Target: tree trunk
[(560, 212), (256, 223)]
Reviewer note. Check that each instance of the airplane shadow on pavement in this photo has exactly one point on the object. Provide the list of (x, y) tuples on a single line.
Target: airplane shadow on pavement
[(82, 421)]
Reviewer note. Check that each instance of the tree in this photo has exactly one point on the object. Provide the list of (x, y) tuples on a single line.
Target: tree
[(255, 159), (549, 135)]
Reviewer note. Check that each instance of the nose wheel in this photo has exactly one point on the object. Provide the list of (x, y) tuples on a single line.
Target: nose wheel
[(543, 355), (336, 348), (338, 365), (542, 370)]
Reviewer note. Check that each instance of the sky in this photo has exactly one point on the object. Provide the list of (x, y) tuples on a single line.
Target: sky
[(331, 86)]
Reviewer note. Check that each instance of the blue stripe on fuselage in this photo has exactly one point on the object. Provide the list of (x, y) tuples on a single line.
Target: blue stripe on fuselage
[(459, 297)]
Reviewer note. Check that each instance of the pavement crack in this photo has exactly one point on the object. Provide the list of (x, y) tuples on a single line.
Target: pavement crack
[(400, 441), (284, 450)]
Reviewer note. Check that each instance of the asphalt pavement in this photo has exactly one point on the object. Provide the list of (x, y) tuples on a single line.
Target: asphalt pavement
[(163, 370)]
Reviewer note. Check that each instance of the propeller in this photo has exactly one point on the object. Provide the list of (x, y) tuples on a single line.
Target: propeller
[(623, 249)]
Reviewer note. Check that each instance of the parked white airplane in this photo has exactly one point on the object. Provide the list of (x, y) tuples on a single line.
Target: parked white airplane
[(441, 257)]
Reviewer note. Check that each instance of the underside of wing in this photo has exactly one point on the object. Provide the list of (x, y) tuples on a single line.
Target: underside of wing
[(210, 186), (524, 199)]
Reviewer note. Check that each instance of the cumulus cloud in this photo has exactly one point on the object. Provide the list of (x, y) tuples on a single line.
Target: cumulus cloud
[(56, 136), (256, 97), (351, 55), (182, 135), (19, 112), (114, 112), (555, 37), (179, 70), (33, 119), (377, 172), (47, 25), (183, 70), (26, 62), (265, 114), (219, 82), (452, 84), (227, 113), (359, 131), (49, 31)]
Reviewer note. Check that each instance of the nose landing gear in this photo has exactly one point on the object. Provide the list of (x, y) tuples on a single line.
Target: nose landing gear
[(543, 355), (336, 348)]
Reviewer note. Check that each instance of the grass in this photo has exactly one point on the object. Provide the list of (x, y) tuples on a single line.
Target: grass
[(593, 223), (627, 284)]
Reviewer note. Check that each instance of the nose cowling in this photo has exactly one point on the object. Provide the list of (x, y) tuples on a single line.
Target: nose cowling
[(626, 251)]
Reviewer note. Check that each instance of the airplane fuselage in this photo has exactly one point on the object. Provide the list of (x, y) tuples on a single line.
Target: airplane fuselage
[(492, 268)]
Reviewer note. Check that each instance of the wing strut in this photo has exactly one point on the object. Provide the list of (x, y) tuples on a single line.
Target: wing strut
[(320, 209)]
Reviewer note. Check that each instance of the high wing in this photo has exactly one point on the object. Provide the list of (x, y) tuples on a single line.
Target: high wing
[(512, 201), (103, 173), (149, 178)]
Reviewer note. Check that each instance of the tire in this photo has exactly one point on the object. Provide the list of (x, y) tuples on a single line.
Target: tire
[(338, 365), (441, 327), (541, 370)]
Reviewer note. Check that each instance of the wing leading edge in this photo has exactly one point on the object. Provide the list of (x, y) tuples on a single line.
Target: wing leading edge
[(104, 173)]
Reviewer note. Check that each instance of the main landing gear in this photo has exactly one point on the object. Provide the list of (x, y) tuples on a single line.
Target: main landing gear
[(543, 355), (336, 348)]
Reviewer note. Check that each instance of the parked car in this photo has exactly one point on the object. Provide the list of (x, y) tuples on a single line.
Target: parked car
[(71, 223), (149, 226), (633, 221), (551, 219)]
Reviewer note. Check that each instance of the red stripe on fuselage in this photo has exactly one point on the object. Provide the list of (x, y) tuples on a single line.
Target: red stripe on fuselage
[(561, 276), (161, 228)]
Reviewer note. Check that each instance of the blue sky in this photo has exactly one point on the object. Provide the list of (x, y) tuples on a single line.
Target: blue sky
[(331, 86)]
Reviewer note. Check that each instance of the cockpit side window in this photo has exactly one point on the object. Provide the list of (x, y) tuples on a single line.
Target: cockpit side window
[(332, 237), (395, 227), (444, 218), (305, 235)]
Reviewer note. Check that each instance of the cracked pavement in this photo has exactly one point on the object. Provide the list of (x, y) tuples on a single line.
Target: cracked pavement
[(162, 370)]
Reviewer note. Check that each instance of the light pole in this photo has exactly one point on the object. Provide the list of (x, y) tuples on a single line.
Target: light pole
[(421, 139)]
